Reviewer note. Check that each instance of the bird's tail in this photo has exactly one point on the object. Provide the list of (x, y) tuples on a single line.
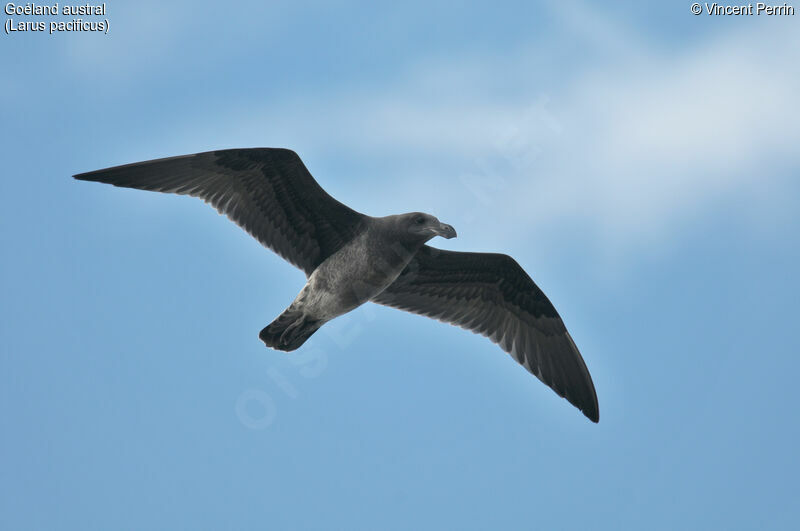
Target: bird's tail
[(290, 330)]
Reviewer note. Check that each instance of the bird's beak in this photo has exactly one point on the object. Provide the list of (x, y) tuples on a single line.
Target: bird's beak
[(445, 231)]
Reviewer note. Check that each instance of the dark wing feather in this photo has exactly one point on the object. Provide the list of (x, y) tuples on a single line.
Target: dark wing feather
[(491, 294), (268, 192)]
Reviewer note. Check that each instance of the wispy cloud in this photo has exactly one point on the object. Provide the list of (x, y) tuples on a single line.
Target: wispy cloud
[(681, 132), (625, 154)]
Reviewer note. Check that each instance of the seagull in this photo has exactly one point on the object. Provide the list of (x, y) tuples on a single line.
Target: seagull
[(350, 258)]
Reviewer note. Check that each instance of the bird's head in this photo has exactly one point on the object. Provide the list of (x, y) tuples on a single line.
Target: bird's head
[(425, 226)]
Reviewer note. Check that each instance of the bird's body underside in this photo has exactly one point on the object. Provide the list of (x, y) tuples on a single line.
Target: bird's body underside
[(353, 275), (350, 258)]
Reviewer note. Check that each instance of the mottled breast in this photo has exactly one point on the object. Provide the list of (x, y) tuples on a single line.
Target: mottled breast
[(360, 270)]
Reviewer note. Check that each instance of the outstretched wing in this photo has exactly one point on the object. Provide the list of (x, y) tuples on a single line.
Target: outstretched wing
[(266, 191), (490, 294)]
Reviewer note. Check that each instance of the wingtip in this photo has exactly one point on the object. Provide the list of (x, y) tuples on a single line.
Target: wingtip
[(96, 176), (592, 412)]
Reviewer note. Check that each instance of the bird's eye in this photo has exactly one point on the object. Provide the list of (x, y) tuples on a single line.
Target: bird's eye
[(419, 221)]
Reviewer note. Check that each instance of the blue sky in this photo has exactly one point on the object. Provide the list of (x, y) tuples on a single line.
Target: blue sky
[(640, 162)]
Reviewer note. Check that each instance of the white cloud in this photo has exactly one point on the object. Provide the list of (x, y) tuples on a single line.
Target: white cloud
[(682, 132)]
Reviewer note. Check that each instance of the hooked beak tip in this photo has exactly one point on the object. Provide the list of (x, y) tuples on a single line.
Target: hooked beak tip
[(447, 231)]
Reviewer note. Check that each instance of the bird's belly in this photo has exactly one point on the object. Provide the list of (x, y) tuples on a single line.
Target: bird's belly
[(346, 281)]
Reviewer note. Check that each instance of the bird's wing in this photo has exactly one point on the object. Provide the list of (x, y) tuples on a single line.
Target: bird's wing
[(491, 294), (268, 192)]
